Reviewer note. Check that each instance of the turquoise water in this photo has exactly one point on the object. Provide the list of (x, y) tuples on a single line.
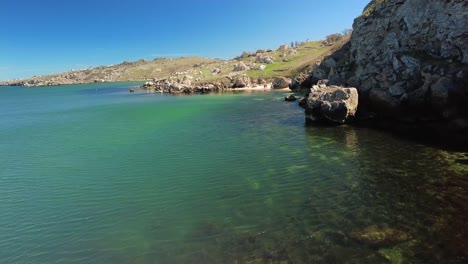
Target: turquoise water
[(94, 174)]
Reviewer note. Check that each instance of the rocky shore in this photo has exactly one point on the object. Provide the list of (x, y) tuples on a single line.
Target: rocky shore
[(188, 84), (408, 60)]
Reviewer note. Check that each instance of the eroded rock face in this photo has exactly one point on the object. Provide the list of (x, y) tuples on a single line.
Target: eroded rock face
[(406, 57), (332, 104)]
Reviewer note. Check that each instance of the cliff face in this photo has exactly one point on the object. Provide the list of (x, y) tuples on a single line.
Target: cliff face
[(408, 59)]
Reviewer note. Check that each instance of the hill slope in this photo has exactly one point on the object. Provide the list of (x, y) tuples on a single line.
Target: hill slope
[(265, 64)]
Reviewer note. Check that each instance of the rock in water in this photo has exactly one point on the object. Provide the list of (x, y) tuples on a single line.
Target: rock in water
[(333, 104), (290, 98)]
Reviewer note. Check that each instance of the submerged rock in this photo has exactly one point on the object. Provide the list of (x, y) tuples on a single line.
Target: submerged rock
[(379, 236), (333, 104)]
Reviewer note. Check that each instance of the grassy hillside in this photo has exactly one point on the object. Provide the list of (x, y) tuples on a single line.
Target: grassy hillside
[(287, 62), (307, 54)]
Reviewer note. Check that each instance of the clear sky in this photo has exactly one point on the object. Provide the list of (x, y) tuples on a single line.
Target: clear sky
[(46, 36)]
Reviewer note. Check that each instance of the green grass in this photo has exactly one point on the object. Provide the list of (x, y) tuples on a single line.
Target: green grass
[(371, 8), (308, 54)]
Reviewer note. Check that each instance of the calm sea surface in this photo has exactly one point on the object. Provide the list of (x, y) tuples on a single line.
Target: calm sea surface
[(94, 174)]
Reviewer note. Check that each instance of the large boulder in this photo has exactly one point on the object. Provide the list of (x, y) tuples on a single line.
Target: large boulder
[(292, 52), (216, 71), (332, 104), (241, 66), (242, 81), (281, 82), (264, 59), (290, 98)]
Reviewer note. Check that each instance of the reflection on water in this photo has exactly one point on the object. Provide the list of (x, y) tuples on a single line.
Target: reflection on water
[(222, 178)]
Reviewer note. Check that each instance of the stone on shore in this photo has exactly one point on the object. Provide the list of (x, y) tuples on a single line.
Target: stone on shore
[(281, 83), (242, 81)]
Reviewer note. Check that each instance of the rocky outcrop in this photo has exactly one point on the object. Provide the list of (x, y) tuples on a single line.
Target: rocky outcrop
[(241, 66), (408, 59), (188, 85), (242, 81), (182, 86), (292, 52), (332, 104), (216, 71), (264, 59), (281, 82), (284, 47)]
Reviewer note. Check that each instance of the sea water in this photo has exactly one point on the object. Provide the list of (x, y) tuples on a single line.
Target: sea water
[(95, 174)]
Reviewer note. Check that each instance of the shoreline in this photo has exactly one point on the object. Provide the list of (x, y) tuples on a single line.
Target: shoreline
[(133, 85), (246, 88)]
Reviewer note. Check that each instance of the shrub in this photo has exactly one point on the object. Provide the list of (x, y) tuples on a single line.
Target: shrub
[(334, 38)]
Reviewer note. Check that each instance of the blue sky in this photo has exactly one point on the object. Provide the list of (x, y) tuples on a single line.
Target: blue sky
[(48, 36)]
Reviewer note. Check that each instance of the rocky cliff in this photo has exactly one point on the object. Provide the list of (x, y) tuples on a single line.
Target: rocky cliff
[(409, 61)]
